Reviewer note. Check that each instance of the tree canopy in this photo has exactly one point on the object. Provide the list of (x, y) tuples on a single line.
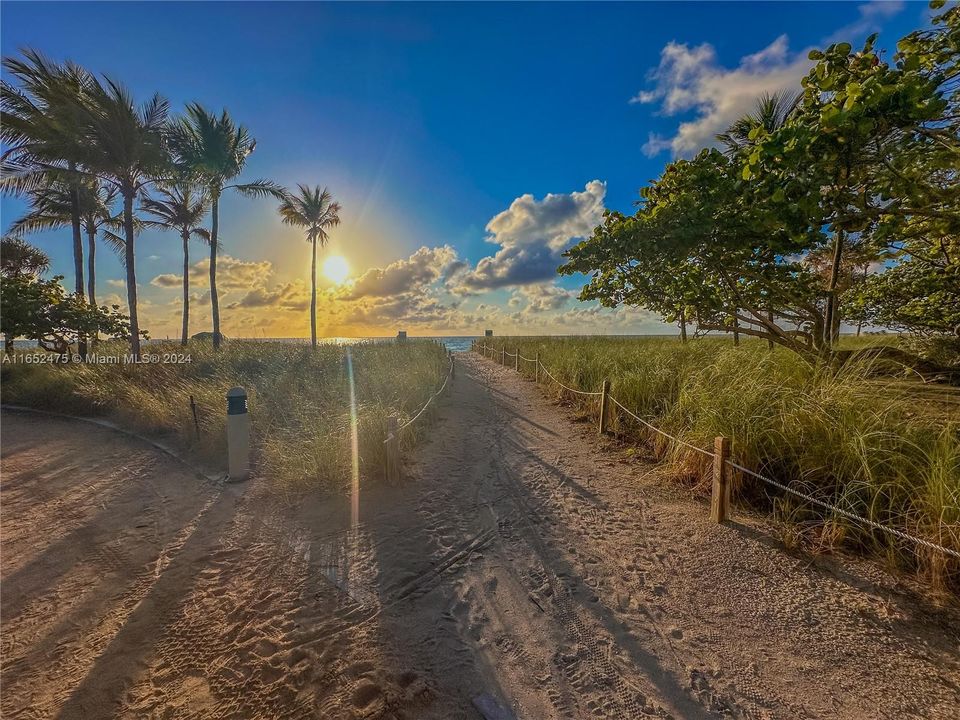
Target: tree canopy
[(843, 203)]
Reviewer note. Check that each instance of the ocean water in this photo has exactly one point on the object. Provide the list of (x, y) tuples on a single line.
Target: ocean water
[(454, 343)]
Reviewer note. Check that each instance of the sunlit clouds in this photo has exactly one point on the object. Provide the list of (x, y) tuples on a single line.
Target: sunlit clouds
[(433, 290)]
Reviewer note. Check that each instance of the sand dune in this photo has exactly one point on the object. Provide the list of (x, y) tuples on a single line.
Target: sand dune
[(523, 560)]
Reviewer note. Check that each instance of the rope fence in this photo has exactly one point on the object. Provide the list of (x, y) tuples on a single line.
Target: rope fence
[(391, 444), (720, 496)]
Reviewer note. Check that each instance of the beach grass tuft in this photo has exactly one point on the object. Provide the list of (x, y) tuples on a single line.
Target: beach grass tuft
[(299, 399), (884, 448)]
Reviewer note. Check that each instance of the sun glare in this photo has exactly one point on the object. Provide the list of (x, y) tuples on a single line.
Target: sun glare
[(336, 269)]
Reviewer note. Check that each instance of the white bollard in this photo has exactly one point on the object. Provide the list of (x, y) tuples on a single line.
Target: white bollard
[(238, 435)]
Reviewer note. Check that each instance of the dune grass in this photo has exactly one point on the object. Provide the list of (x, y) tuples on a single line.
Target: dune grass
[(865, 444), (299, 400)]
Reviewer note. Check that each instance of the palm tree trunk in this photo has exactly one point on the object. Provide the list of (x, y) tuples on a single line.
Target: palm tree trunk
[(184, 335), (131, 271), (214, 299), (91, 266), (77, 248), (313, 297)]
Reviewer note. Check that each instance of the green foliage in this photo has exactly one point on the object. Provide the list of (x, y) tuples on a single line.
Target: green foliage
[(299, 400), (775, 238), (888, 450), (41, 310)]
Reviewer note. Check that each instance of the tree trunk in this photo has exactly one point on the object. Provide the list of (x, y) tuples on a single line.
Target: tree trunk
[(313, 296), (214, 299), (92, 272), (185, 334), (770, 318), (91, 266), (736, 329), (8, 343), (128, 196), (77, 247), (683, 325), (832, 308)]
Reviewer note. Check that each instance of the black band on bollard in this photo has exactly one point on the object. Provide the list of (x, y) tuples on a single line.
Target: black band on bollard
[(236, 402)]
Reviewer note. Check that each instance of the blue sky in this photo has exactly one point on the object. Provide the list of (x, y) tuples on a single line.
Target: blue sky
[(464, 140)]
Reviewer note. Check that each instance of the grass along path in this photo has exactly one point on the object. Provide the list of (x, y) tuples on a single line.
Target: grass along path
[(851, 439), (523, 557), (299, 400)]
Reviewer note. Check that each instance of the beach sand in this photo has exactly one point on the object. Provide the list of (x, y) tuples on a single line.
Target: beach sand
[(523, 560)]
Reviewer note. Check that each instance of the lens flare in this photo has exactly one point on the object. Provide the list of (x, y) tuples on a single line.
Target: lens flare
[(354, 447), (336, 269)]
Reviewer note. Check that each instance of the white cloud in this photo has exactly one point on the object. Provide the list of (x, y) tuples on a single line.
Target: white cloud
[(232, 274), (690, 79), (532, 234), (871, 17), (425, 266)]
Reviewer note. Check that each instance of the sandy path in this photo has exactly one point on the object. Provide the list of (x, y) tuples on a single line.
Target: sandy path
[(516, 560)]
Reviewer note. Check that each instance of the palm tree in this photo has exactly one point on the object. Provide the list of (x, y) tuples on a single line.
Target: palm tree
[(181, 207), (123, 146), (52, 207), (18, 257), (770, 113), (214, 150), (39, 123), (315, 210)]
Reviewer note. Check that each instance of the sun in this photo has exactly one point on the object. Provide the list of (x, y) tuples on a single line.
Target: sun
[(336, 269)]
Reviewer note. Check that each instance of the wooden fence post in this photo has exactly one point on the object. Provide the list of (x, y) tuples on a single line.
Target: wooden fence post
[(503, 355), (720, 500), (536, 373), (516, 361), (604, 401), (453, 366)]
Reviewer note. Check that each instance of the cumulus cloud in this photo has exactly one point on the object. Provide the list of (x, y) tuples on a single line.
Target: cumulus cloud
[(690, 79), (232, 274), (532, 234), (541, 298), (425, 266), (288, 296)]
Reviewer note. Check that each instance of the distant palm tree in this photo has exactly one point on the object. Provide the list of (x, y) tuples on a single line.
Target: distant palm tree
[(52, 207), (180, 207), (315, 210), (18, 257), (770, 113), (40, 121), (214, 151), (123, 146)]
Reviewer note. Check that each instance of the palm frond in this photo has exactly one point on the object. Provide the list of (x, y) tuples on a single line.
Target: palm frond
[(261, 188)]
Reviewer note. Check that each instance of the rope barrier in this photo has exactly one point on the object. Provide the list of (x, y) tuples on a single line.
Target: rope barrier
[(656, 429), (569, 389), (527, 359), (785, 488), (846, 513), (423, 409)]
